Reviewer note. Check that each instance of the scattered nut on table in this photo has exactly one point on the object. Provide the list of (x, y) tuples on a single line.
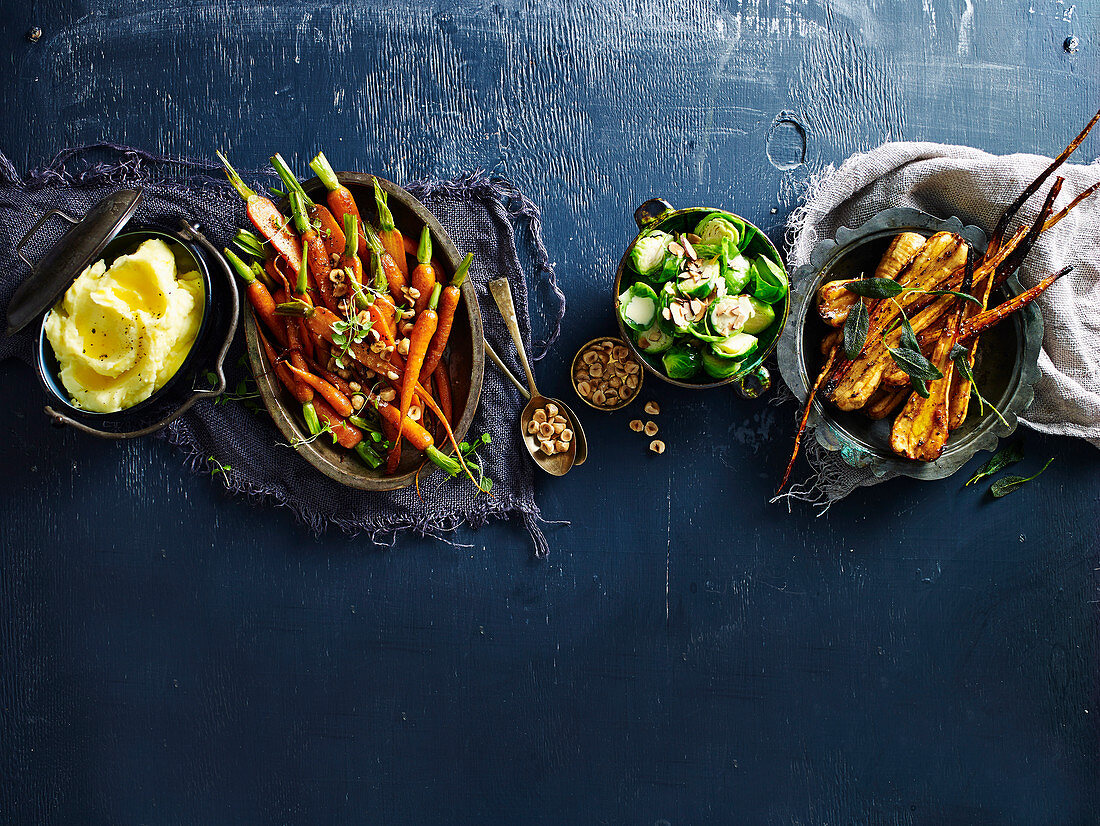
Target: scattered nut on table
[(606, 374), (637, 425), (650, 428), (652, 408), (657, 446)]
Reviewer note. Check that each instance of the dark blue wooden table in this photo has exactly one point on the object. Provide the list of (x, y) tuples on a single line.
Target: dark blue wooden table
[(689, 653)]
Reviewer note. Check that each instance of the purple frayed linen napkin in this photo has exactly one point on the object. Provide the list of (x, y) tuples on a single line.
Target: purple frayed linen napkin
[(976, 187), (482, 214)]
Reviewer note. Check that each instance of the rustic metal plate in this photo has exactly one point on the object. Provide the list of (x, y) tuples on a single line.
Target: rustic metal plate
[(1006, 367), (466, 359)]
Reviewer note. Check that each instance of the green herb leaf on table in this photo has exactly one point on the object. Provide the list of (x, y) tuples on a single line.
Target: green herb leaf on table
[(1001, 459), (855, 330), (875, 288), (1007, 484)]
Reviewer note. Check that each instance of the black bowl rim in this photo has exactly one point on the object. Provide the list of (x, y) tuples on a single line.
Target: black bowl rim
[(145, 231), (792, 363), (761, 356)]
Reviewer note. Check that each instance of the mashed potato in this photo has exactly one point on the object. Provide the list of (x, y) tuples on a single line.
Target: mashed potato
[(120, 332)]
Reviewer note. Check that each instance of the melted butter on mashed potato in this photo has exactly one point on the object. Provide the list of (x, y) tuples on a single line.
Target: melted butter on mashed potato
[(120, 332)]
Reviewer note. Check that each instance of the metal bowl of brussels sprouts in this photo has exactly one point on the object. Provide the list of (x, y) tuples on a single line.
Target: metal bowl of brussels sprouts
[(701, 296)]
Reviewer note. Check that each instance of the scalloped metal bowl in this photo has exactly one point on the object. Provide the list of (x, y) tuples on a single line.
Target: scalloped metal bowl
[(1006, 367)]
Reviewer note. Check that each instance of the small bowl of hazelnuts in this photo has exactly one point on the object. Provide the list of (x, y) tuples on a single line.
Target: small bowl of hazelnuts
[(606, 375)]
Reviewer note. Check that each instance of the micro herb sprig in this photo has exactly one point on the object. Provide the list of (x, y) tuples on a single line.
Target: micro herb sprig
[(218, 469), (347, 333)]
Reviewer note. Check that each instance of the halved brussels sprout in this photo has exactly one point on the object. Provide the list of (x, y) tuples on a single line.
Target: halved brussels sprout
[(638, 306), (771, 282), (678, 313), (717, 226), (760, 317), (700, 285), (739, 345), (669, 271), (720, 367), (654, 340), (681, 361), (738, 272), (729, 314), (648, 255)]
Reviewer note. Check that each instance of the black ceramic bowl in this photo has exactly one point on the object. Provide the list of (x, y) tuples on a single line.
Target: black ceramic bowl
[(207, 354), (753, 378), (465, 351), (1006, 367)]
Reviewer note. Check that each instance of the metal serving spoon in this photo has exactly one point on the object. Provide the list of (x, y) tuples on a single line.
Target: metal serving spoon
[(557, 464), (578, 431)]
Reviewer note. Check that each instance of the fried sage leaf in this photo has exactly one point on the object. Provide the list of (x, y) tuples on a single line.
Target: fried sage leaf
[(1001, 459), (1007, 484), (914, 364), (855, 330), (875, 287)]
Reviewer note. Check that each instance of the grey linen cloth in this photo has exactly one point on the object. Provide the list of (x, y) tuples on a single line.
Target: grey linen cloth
[(482, 216), (976, 187)]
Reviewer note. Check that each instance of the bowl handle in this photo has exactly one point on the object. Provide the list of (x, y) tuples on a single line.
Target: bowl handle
[(651, 212), (755, 384), (192, 232)]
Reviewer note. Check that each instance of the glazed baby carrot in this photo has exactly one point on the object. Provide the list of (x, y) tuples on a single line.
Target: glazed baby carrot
[(316, 261), (394, 278), (346, 435), (391, 236), (302, 392), (412, 247), (442, 381), (349, 256), (340, 199), (263, 305), (419, 340), (417, 435), (328, 228), (423, 277), (265, 216), (448, 303), (337, 400)]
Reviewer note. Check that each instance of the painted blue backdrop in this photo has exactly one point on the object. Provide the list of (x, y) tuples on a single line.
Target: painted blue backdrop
[(689, 653)]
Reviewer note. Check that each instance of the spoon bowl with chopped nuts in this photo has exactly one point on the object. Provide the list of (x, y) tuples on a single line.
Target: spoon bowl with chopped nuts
[(547, 429)]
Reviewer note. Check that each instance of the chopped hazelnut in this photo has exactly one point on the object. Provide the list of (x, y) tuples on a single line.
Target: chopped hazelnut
[(657, 446), (652, 408), (650, 428), (636, 425)]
